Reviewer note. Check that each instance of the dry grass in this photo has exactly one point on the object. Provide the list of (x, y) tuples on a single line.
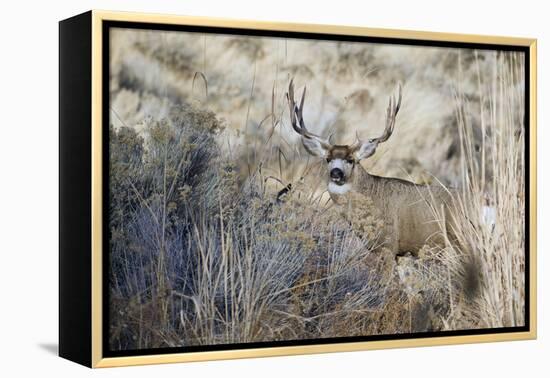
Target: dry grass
[(491, 205)]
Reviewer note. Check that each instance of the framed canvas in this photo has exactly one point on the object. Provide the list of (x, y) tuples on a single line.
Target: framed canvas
[(213, 208)]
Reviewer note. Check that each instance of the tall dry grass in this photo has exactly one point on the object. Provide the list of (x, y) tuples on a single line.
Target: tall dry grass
[(490, 214)]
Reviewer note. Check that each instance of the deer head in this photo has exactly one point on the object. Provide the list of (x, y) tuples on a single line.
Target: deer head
[(341, 159)]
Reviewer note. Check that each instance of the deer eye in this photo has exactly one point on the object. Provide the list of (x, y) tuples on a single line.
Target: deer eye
[(328, 160), (350, 160)]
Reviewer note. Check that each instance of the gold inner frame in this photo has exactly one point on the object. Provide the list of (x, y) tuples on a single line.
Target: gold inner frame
[(97, 217)]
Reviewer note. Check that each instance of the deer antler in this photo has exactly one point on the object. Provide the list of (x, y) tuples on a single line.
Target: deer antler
[(391, 114), (296, 116)]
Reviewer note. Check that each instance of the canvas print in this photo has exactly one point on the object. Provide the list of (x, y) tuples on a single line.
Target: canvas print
[(278, 190)]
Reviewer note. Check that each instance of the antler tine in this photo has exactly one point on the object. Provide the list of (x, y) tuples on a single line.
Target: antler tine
[(300, 109), (391, 114), (358, 142), (296, 114), (290, 99), (293, 108)]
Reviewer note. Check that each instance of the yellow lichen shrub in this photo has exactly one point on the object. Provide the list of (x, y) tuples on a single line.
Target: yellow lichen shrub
[(362, 215), (342, 279)]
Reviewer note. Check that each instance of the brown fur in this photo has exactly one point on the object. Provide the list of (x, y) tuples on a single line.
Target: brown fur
[(406, 209), (339, 152)]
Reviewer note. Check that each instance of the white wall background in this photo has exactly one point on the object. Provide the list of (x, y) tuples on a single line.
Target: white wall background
[(29, 174)]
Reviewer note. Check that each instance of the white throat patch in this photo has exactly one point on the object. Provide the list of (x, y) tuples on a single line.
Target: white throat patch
[(338, 189)]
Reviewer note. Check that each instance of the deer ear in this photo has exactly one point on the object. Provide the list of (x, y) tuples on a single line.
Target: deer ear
[(365, 150), (315, 147)]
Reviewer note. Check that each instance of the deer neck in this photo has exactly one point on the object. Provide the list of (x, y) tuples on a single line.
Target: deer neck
[(360, 181)]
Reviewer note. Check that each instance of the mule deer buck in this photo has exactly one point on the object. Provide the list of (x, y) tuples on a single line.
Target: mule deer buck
[(407, 208)]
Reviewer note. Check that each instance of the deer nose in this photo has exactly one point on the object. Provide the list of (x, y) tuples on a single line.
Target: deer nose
[(336, 174)]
